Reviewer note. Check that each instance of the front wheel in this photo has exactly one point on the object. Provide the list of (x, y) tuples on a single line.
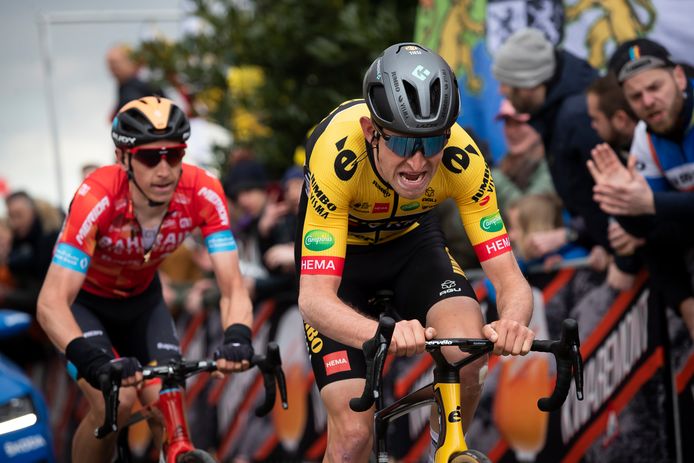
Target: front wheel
[(469, 456), (195, 456)]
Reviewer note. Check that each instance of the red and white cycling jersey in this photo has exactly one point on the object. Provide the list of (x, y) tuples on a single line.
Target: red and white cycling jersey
[(102, 237)]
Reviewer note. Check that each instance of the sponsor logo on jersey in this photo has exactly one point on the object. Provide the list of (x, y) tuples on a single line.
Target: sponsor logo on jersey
[(381, 188), (493, 247), (83, 190), (429, 192), (484, 201), (380, 208), (362, 206), (168, 223), (91, 218), (357, 225), (409, 206), (322, 265), (336, 362), (320, 202), (318, 240), (455, 159), (129, 245), (492, 223), (216, 200), (487, 185), (345, 161), (180, 198)]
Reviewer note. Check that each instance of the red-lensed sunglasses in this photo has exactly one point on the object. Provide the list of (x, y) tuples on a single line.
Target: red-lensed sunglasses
[(151, 156)]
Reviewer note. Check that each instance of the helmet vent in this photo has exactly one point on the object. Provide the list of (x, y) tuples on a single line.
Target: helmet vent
[(379, 100), (138, 116), (435, 94), (127, 127), (413, 99)]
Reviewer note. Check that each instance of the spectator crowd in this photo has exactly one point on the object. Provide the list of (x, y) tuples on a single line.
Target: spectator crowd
[(599, 168)]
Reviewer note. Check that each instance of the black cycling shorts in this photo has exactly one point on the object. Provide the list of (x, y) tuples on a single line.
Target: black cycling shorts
[(140, 326), (419, 270)]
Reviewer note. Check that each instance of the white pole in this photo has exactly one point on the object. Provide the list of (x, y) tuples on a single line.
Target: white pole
[(45, 20), (45, 44)]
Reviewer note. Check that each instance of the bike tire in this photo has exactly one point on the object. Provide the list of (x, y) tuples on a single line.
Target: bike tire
[(195, 456), (469, 456)]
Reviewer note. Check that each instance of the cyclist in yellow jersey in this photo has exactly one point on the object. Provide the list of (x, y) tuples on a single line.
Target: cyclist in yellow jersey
[(375, 168)]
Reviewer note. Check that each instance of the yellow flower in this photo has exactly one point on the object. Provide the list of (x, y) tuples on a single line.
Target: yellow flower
[(247, 126), (245, 80)]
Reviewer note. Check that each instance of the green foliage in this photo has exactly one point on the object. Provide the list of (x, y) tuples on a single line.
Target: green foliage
[(313, 54)]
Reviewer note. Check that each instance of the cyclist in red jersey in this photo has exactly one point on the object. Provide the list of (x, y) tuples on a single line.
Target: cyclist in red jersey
[(102, 298)]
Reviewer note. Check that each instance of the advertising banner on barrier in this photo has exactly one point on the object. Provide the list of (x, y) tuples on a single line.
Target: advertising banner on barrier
[(626, 411)]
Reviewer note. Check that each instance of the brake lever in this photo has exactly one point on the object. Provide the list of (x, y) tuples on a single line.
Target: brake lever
[(577, 364)]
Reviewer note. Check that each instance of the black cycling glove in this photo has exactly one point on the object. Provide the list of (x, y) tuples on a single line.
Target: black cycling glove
[(237, 344), (91, 362)]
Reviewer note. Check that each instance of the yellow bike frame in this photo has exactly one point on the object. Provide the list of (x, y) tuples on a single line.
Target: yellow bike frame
[(451, 436)]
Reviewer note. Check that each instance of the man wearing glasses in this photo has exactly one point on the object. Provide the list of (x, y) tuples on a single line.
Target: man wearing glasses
[(102, 297), (375, 169)]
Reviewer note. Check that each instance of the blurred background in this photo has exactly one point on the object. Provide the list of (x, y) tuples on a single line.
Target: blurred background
[(255, 76)]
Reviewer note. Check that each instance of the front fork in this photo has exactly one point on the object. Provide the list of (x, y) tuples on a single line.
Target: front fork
[(177, 439)]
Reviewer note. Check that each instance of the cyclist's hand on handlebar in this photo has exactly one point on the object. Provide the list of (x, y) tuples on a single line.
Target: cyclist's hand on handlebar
[(91, 362), (236, 352), (408, 338), (131, 370), (509, 337)]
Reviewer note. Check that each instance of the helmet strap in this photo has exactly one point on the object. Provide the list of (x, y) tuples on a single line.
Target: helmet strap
[(131, 177)]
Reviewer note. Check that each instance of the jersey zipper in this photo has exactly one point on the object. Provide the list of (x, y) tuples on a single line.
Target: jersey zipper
[(147, 253)]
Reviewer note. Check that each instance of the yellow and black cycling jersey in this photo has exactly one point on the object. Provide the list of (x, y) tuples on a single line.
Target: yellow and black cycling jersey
[(346, 202)]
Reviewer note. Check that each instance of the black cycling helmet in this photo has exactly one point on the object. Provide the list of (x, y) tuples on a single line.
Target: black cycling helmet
[(149, 119), (411, 90)]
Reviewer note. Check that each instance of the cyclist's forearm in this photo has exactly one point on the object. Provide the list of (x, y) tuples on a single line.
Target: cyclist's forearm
[(57, 322), (514, 296), (334, 319), (236, 308), (60, 287), (515, 301)]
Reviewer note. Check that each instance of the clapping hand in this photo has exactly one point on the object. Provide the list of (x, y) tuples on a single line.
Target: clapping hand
[(619, 190)]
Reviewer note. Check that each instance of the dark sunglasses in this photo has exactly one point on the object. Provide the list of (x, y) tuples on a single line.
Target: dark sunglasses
[(408, 146), (151, 156)]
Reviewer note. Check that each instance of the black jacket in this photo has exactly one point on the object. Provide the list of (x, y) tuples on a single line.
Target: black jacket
[(564, 125)]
